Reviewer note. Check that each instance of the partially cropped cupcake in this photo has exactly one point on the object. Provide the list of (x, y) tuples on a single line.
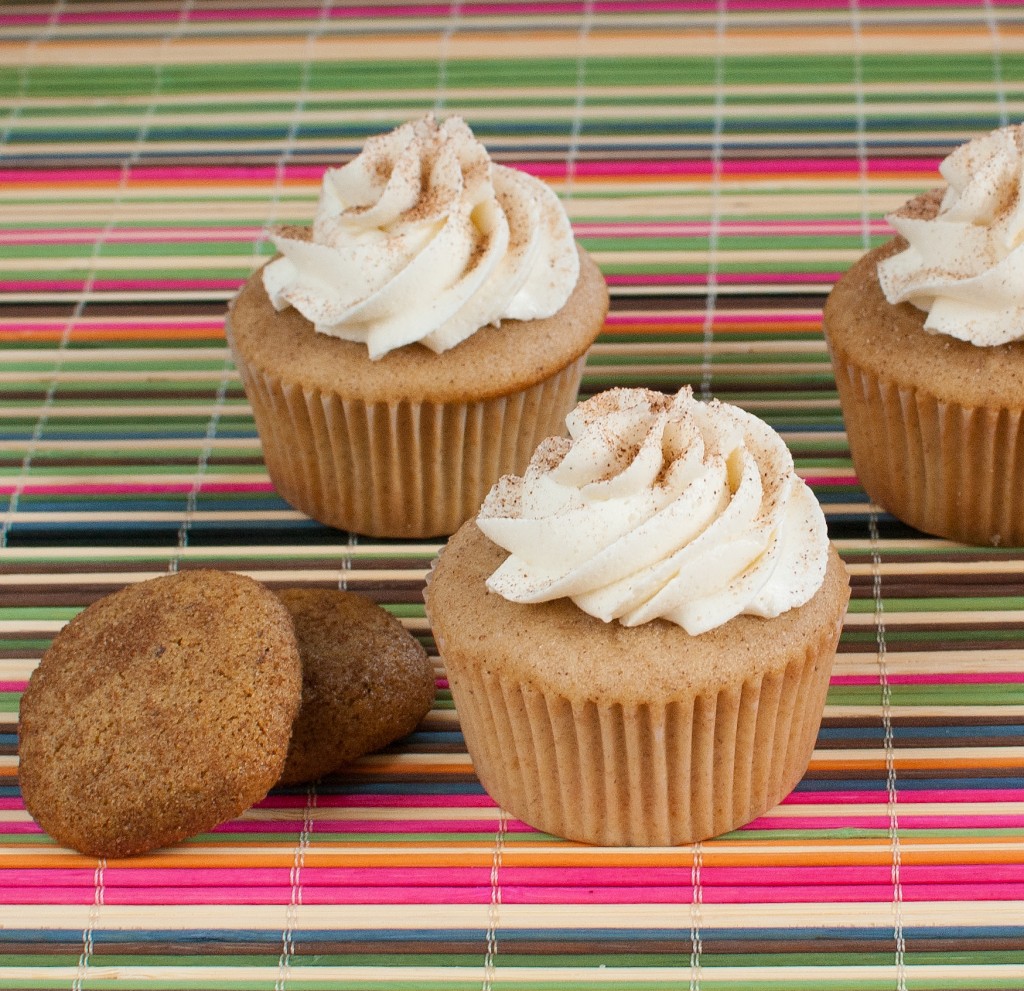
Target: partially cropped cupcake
[(639, 630), (420, 339), (926, 335)]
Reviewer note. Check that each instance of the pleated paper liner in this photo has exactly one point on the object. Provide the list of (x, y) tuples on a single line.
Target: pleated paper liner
[(400, 469), (949, 470), (644, 775)]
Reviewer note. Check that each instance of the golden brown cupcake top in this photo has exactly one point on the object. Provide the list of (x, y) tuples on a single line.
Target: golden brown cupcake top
[(495, 361), (890, 341), (555, 645)]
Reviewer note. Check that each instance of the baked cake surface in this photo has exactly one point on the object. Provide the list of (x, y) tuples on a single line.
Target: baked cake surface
[(891, 343), (494, 361), (557, 647)]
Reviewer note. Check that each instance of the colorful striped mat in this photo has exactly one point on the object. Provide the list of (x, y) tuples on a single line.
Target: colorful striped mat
[(723, 161)]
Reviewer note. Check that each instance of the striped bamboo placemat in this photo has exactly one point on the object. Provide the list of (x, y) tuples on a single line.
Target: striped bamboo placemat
[(723, 161)]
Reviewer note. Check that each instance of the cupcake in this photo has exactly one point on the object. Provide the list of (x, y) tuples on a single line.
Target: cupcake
[(420, 339), (639, 630), (926, 335)]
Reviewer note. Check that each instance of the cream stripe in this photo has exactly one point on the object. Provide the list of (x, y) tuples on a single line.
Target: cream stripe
[(657, 41), (547, 917)]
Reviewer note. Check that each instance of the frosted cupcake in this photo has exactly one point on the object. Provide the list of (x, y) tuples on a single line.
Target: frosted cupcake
[(639, 630), (926, 335), (420, 339)]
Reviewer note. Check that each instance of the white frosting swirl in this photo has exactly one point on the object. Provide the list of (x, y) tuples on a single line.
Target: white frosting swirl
[(421, 238), (965, 266), (659, 506)]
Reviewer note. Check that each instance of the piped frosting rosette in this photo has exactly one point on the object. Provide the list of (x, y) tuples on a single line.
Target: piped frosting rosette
[(965, 265), (659, 506), (421, 238)]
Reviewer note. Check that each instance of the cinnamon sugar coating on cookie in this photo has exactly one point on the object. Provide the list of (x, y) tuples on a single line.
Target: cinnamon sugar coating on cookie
[(366, 681), (160, 711)]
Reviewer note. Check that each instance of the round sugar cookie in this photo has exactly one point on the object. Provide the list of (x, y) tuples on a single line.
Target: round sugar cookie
[(158, 712), (366, 681)]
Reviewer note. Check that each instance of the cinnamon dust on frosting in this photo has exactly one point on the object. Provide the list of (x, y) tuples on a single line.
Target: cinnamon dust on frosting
[(423, 239), (964, 260), (659, 507)]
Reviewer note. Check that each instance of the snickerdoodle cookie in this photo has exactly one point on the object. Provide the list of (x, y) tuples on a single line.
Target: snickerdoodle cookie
[(366, 681), (158, 712)]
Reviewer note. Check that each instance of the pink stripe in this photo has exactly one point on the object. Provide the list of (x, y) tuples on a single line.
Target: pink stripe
[(129, 324), (85, 235), (469, 9), (790, 875), (697, 319), (512, 894), (604, 168), (731, 278), (703, 167), (966, 678), (906, 797), (783, 822), (116, 285), (139, 489), (379, 802), (881, 822), (702, 228), (161, 173), (373, 826)]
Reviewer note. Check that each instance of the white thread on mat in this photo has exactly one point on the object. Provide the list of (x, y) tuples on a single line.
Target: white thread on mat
[(579, 100), (890, 753), (696, 917), (88, 933), (876, 555), (494, 908), (346, 562), (992, 18), (718, 128), (444, 48), (192, 500), (202, 464), (284, 962)]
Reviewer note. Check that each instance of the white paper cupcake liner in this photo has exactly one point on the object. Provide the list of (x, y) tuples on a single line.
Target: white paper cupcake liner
[(400, 469), (643, 775), (949, 470)]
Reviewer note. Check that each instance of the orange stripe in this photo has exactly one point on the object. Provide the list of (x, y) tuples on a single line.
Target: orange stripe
[(922, 851)]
